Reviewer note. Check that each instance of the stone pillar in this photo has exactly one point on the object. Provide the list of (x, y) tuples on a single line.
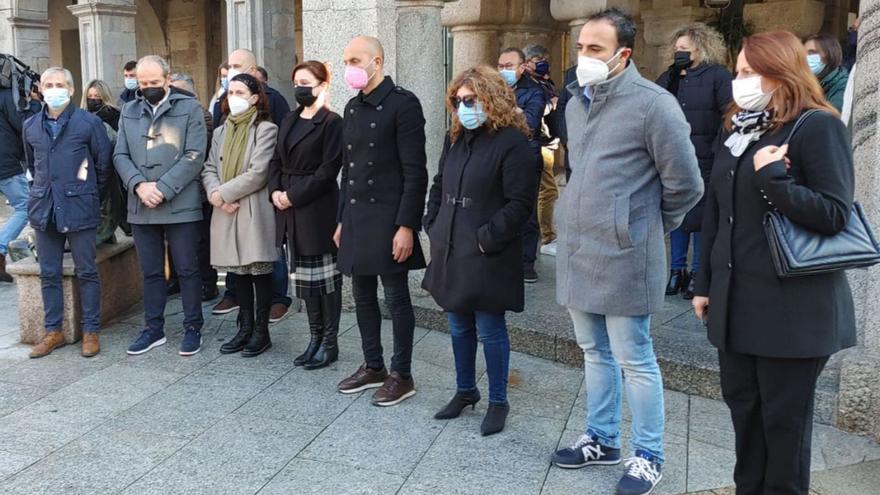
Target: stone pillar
[(801, 17), (267, 28), (474, 45), (859, 400), (106, 39)]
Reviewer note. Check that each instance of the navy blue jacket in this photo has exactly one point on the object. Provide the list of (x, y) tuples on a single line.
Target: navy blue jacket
[(278, 107), (11, 152), (531, 99), (704, 94), (126, 96), (70, 171)]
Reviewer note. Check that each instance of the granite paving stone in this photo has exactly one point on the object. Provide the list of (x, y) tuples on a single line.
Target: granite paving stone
[(306, 477), (11, 463)]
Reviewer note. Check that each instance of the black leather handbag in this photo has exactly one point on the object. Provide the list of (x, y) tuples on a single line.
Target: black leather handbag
[(798, 251)]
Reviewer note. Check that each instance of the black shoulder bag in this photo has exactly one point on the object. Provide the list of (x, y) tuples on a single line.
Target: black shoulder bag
[(798, 251)]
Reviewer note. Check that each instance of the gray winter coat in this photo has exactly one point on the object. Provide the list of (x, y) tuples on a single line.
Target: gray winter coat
[(167, 148), (634, 177)]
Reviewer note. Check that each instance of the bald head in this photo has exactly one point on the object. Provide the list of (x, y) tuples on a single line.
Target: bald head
[(362, 50), (243, 60)]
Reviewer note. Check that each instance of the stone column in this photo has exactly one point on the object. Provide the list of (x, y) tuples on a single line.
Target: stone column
[(474, 45), (106, 39), (267, 28), (801, 17), (859, 400)]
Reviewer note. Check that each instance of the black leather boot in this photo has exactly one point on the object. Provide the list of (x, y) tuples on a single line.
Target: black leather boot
[(677, 282), (688, 293), (495, 418), (316, 328), (260, 341), (458, 403), (245, 330), (331, 309)]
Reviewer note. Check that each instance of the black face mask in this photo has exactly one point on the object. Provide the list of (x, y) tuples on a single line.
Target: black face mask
[(682, 60), (304, 96), (94, 104), (153, 95)]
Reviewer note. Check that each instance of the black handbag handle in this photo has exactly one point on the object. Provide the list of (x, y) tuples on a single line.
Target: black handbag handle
[(800, 121)]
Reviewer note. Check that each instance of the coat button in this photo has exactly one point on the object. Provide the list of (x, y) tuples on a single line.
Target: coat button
[(379, 108), (372, 125), (370, 182), (730, 173), (351, 164), (730, 265), (372, 200), (351, 112), (353, 201), (349, 147), (351, 182), (370, 163), (729, 219), (372, 145)]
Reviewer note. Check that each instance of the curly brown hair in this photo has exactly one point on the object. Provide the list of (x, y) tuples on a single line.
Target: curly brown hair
[(496, 97)]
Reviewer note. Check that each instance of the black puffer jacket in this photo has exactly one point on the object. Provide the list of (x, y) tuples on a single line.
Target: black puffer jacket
[(704, 94)]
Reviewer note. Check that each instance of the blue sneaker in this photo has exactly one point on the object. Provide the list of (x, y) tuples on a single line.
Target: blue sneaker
[(192, 342), (641, 476), (148, 339), (586, 452)]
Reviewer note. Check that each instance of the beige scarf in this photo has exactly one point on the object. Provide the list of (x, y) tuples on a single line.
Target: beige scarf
[(235, 143)]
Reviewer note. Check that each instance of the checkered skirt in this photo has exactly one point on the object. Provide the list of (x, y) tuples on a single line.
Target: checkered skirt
[(315, 276)]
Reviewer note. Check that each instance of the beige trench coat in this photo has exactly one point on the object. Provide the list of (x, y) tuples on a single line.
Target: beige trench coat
[(248, 235)]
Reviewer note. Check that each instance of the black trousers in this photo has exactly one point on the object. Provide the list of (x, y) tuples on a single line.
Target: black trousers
[(531, 231), (771, 403), (369, 319)]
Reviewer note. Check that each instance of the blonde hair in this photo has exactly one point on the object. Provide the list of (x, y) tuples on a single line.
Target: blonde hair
[(708, 43), (103, 88), (496, 97)]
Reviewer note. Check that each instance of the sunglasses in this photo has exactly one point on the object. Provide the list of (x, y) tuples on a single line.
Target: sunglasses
[(469, 101)]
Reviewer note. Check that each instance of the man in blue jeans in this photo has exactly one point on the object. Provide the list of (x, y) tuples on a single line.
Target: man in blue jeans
[(68, 154), (13, 183), (636, 182)]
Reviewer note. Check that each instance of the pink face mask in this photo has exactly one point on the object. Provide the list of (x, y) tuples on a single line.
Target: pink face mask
[(356, 77)]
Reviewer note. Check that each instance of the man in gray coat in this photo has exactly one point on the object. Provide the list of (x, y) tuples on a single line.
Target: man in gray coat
[(634, 176), (160, 150)]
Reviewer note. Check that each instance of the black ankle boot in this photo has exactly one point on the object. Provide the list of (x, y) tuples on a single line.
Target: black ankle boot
[(495, 418), (259, 342), (245, 330), (331, 309), (316, 329), (458, 403), (677, 282), (688, 293)]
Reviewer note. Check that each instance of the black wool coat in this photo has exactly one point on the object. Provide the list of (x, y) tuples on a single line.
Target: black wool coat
[(384, 179), (481, 198), (305, 167), (752, 310)]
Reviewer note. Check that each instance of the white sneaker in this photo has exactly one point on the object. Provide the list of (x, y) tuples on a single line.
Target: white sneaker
[(549, 249)]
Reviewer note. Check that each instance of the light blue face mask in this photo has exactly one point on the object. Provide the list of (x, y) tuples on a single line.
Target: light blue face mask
[(471, 118), (509, 76), (224, 83), (131, 83), (814, 60)]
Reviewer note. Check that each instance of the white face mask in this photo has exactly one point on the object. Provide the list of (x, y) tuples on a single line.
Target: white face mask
[(237, 105), (592, 71), (232, 73), (749, 94)]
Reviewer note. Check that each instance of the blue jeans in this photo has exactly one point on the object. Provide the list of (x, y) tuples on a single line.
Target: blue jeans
[(50, 252), (612, 343), (183, 241), (15, 189), (280, 283), (678, 247), (492, 329)]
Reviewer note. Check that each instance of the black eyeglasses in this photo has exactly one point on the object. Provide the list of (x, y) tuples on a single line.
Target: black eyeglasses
[(469, 101)]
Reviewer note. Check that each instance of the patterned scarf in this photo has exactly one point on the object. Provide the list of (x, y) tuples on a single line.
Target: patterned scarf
[(747, 128), (235, 143)]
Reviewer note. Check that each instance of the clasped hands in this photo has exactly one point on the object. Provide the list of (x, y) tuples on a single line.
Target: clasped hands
[(281, 201), (217, 201), (149, 194)]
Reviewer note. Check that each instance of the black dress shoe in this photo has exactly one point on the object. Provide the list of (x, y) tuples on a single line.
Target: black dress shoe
[(495, 418), (677, 282), (688, 293), (458, 403)]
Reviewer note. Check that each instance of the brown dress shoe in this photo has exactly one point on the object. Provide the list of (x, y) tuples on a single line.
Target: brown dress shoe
[(51, 341), (224, 306), (363, 379), (395, 390), (277, 312), (91, 345)]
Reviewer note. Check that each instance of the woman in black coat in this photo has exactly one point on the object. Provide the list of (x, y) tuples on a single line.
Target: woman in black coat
[(702, 84), (774, 335), (481, 197), (305, 194)]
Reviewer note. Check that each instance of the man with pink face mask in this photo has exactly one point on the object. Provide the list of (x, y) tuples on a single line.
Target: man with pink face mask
[(384, 181)]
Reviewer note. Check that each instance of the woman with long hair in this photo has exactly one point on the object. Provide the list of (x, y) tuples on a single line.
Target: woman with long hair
[(825, 58), (774, 335), (481, 198), (220, 86), (701, 82), (235, 177), (305, 194), (97, 99)]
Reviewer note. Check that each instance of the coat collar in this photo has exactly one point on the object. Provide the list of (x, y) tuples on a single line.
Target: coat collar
[(300, 132), (378, 94)]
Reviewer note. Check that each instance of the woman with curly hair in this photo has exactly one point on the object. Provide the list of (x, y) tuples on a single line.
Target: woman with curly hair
[(481, 197), (702, 84)]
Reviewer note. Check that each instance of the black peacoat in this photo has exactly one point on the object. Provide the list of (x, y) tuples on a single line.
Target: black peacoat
[(481, 198), (751, 310), (305, 167), (384, 179)]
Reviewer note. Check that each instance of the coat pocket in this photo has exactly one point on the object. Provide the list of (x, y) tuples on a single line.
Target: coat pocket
[(38, 206), (83, 205), (621, 222)]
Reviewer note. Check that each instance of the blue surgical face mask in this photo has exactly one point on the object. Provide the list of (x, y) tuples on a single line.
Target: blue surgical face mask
[(814, 60), (224, 83), (131, 83), (509, 76), (473, 117), (56, 98)]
